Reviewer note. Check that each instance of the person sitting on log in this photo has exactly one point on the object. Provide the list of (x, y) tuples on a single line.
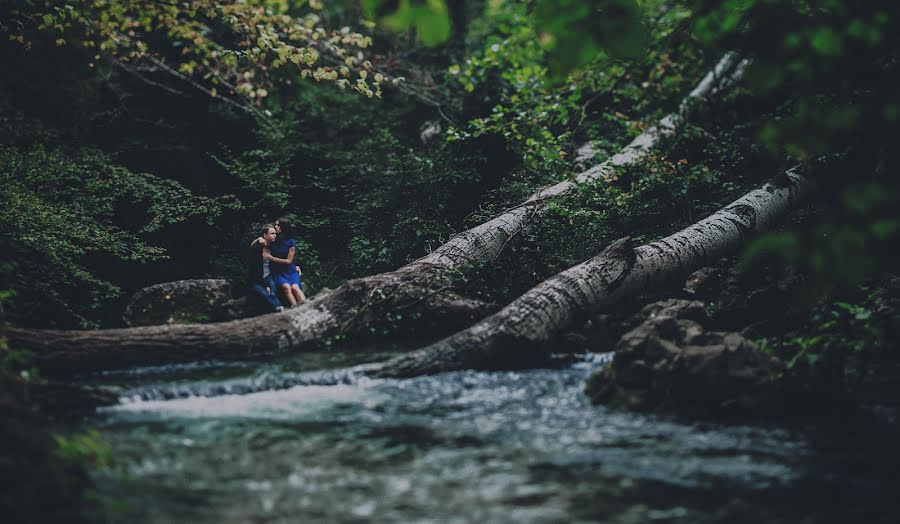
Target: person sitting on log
[(260, 274), (286, 274)]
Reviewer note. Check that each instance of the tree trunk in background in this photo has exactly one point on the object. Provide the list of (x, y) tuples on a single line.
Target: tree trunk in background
[(518, 335), (353, 307)]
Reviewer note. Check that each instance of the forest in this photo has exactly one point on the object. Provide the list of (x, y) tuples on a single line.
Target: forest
[(447, 261)]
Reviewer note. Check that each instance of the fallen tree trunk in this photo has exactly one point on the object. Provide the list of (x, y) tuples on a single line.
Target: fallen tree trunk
[(519, 335), (352, 308), (322, 322)]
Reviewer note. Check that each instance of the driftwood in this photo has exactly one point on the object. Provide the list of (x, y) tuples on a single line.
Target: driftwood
[(520, 334), (355, 306)]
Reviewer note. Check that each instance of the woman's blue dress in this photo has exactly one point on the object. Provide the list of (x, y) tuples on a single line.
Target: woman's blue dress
[(283, 273)]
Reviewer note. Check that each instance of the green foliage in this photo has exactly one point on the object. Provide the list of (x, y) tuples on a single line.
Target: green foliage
[(692, 174), (17, 368), (364, 193), (854, 237), (636, 201), (68, 222), (834, 67), (577, 227), (50, 480), (85, 448), (264, 181), (430, 18), (507, 70), (834, 57), (575, 31), (858, 324), (343, 168), (509, 73), (231, 50)]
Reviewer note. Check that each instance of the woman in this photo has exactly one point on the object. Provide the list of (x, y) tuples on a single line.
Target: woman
[(281, 263)]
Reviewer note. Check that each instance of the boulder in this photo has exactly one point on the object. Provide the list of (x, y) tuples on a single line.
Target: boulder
[(671, 362), (180, 302)]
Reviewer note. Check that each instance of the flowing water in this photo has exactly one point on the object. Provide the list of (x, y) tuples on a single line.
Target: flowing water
[(308, 440)]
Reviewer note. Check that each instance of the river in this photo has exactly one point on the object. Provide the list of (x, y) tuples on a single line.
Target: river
[(305, 439)]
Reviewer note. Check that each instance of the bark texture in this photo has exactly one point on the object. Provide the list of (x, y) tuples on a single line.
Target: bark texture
[(350, 309), (519, 334)]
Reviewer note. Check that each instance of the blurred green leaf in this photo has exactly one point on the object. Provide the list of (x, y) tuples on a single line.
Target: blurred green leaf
[(575, 31), (764, 76), (827, 41), (430, 17)]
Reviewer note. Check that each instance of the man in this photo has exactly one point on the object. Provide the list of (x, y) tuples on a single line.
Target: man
[(258, 274)]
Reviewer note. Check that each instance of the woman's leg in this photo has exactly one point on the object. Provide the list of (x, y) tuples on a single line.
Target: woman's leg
[(286, 288), (298, 294)]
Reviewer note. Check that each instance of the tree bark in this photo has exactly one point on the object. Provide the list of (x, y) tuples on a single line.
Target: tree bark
[(352, 308), (519, 335)]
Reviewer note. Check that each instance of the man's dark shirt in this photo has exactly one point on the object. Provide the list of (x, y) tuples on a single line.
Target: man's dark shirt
[(254, 265)]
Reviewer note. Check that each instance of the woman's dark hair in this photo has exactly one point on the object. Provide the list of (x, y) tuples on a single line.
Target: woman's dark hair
[(266, 228), (285, 226)]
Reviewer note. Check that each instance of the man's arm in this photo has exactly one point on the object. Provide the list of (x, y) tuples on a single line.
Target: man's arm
[(288, 260)]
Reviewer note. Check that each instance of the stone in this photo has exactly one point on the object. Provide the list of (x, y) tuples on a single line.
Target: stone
[(671, 362), (179, 302), (673, 308)]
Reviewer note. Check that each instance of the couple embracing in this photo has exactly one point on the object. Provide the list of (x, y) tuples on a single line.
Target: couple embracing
[(274, 276)]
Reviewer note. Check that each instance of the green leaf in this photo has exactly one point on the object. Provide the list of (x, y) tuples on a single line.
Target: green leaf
[(827, 41), (575, 32), (432, 22), (430, 18), (765, 76)]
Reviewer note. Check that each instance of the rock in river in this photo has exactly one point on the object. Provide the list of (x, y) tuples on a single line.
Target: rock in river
[(671, 362)]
